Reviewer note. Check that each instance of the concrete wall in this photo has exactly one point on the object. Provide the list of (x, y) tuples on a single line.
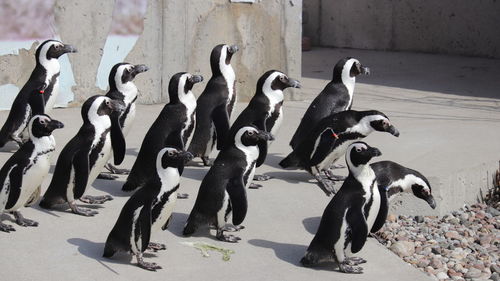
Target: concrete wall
[(178, 36), (447, 26)]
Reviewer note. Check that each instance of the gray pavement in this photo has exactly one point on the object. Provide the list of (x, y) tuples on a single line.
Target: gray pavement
[(441, 132)]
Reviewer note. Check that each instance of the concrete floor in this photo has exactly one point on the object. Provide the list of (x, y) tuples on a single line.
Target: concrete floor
[(441, 133)]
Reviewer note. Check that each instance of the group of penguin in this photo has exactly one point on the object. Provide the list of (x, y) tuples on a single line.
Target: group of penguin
[(188, 127)]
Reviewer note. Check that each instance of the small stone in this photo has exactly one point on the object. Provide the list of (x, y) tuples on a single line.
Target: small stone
[(423, 263), (495, 276), (391, 218), (493, 211), (403, 248), (452, 235), (495, 268), (436, 263), (442, 276), (452, 273), (419, 219), (473, 273)]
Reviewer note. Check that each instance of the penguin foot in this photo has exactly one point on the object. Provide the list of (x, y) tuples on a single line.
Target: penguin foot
[(206, 161), (6, 227), (114, 170), (337, 166), (182, 196), (227, 238), (155, 247), (354, 261), (151, 266), (254, 186), (95, 199), (330, 175), (344, 267), (82, 211), (325, 185), (262, 177), (20, 220), (233, 228), (106, 176)]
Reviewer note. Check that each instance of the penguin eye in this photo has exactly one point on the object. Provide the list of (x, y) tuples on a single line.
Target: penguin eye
[(107, 102), (42, 122), (282, 78), (358, 149), (170, 153), (385, 123), (251, 133)]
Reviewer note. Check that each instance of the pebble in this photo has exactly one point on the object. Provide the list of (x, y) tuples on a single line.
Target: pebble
[(462, 245)]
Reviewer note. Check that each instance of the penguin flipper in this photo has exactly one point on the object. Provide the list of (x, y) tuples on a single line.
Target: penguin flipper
[(221, 122), (237, 194), (16, 181), (117, 140), (262, 153), (382, 213), (82, 171), (325, 145), (359, 228), (143, 227)]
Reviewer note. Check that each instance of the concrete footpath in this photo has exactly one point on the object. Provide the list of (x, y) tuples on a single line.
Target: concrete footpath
[(441, 133)]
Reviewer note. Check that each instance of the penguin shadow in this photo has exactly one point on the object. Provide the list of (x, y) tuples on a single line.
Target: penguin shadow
[(311, 224), (290, 253), (273, 160), (94, 250), (132, 151), (176, 226), (10, 147), (292, 176), (195, 173), (112, 187)]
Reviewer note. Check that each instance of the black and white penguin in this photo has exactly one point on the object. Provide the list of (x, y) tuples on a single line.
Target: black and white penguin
[(85, 155), (215, 104), (23, 173), (336, 96), (122, 88), (265, 109), (44, 82), (343, 229), (393, 178), (223, 190), (328, 141), (149, 209), (173, 127)]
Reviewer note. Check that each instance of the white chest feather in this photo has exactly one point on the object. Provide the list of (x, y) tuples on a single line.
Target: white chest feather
[(129, 120), (22, 127), (169, 178), (230, 77), (4, 193), (103, 156), (52, 67), (189, 101), (331, 158)]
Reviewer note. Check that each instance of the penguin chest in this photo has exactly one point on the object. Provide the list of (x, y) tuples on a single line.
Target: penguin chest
[(251, 155), (276, 118), (101, 152), (23, 126), (373, 206), (128, 118), (188, 128), (334, 155), (49, 104), (162, 210), (33, 176)]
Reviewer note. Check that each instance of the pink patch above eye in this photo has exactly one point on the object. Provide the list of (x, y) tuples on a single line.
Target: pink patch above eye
[(335, 135), (42, 91)]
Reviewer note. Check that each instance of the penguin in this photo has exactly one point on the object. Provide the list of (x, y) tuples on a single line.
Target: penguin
[(215, 104), (85, 155), (173, 126), (44, 82), (148, 210), (393, 178), (343, 229), (335, 97), (122, 88), (223, 189), (328, 141), (24, 172)]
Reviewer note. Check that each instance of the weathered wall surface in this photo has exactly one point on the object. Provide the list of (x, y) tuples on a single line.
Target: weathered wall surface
[(449, 26), (178, 36)]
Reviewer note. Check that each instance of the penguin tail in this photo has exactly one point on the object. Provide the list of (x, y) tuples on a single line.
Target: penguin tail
[(291, 161), (109, 249), (48, 202), (4, 138), (131, 184), (191, 225), (310, 258)]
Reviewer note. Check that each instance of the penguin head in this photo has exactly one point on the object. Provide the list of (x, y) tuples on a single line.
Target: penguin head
[(273, 82), (359, 154), (347, 69), (52, 49), (220, 58), (123, 72), (172, 157), (96, 107), (373, 120), (42, 125), (251, 136), (181, 84), (422, 189)]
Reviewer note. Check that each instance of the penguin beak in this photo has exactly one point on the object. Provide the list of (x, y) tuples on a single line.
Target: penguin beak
[(117, 106), (54, 124), (140, 68), (294, 83), (195, 79), (374, 152), (430, 200), (393, 131), (185, 156), (69, 49), (365, 70), (233, 49)]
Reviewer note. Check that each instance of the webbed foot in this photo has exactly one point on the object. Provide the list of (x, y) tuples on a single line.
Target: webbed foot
[(325, 185), (151, 266), (6, 227), (20, 220), (344, 267), (82, 211), (227, 238), (329, 174), (95, 199), (233, 228), (254, 186), (155, 247), (114, 170), (354, 261), (262, 177)]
